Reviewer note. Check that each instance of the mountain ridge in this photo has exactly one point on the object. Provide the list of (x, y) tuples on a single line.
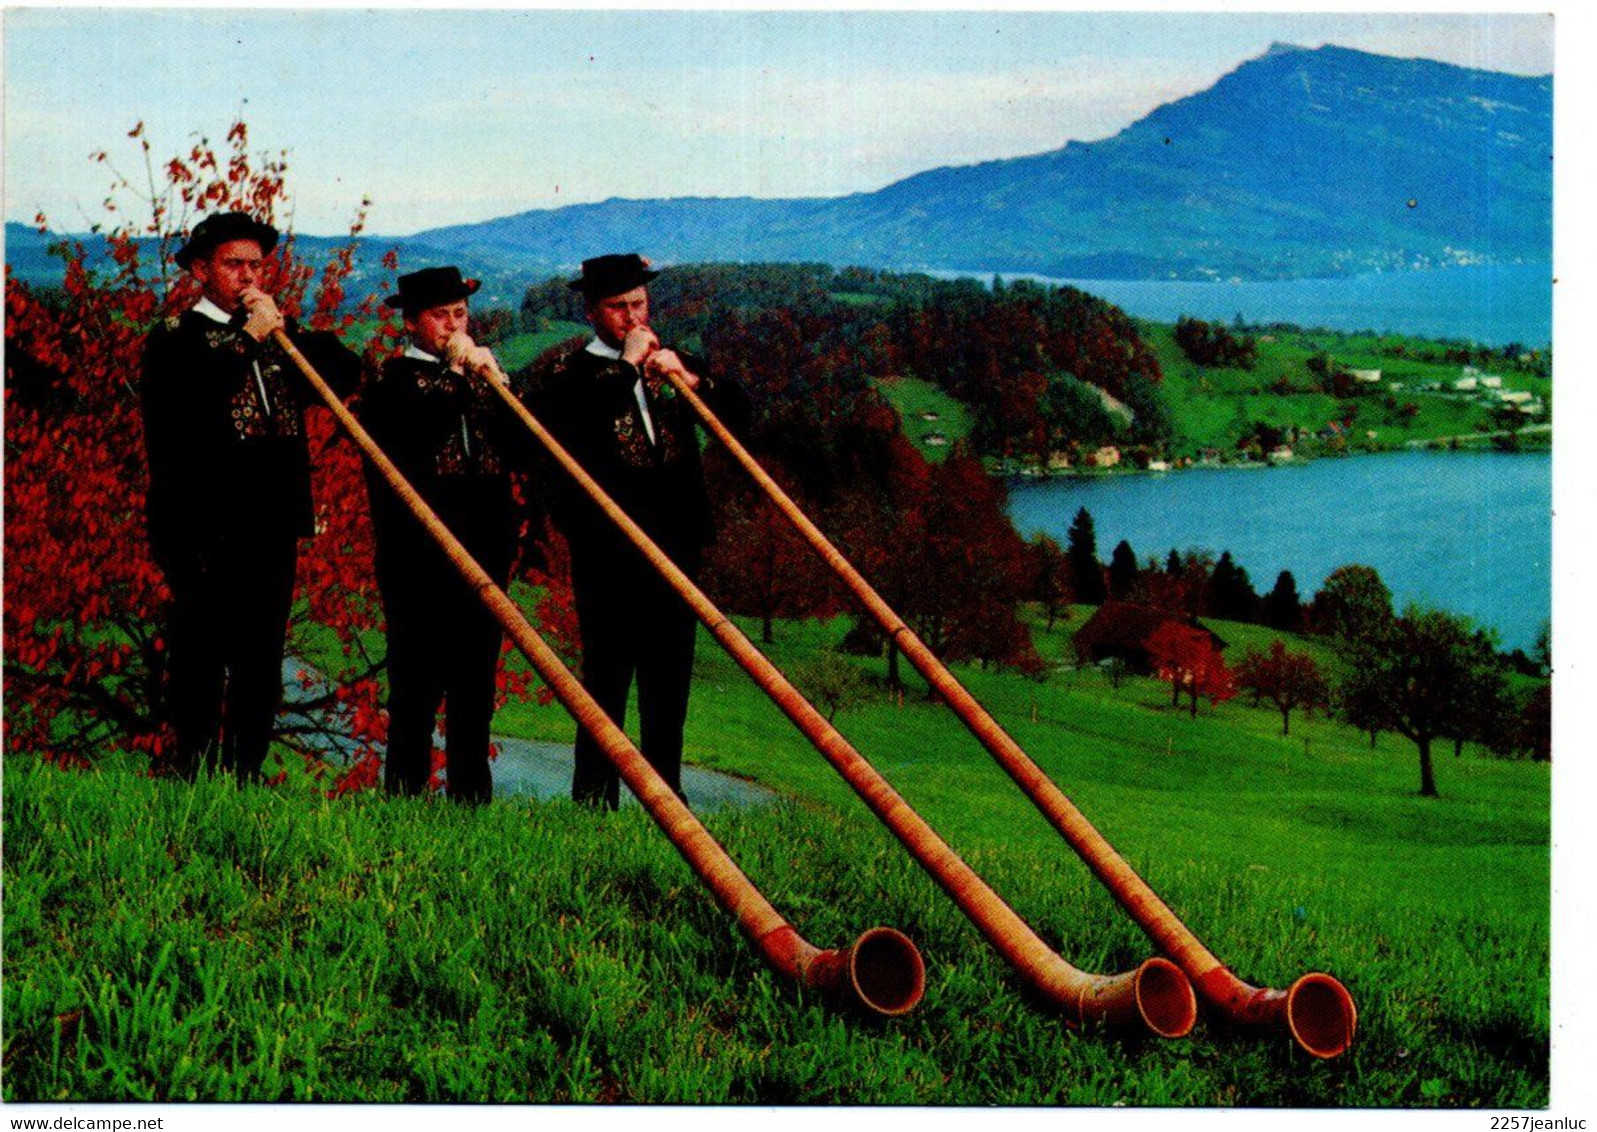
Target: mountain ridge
[(1299, 162), (1212, 185)]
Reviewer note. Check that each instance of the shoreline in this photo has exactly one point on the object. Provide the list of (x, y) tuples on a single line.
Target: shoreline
[(1468, 443)]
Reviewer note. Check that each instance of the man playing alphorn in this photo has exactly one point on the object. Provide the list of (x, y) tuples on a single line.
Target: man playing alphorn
[(230, 491), (433, 413), (610, 405)]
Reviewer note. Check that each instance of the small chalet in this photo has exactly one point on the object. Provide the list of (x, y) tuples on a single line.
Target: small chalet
[(1366, 376), (1123, 629), (1106, 457)]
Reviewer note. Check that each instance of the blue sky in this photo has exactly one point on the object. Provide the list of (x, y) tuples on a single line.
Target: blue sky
[(446, 116)]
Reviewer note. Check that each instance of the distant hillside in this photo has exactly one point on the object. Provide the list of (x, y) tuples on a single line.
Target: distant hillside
[(29, 261), (1301, 162)]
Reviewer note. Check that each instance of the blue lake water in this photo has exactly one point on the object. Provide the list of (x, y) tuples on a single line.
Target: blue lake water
[(1470, 532), (1490, 305)]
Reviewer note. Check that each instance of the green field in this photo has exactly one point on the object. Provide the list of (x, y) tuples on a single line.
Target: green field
[(914, 399), (175, 942), (519, 350), (1212, 406)]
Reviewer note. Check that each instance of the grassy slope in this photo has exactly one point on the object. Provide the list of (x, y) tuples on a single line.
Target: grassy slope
[(520, 349), (1284, 856), (169, 942), (911, 397), (1213, 405)]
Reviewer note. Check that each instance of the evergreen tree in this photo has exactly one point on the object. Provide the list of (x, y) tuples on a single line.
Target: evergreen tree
[(1281, 608), (1231, 594), (1086, 574), (1122, 571)]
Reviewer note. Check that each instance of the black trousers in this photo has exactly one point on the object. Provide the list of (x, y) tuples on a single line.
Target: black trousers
[(226, 629), (632, 623), (443, 651)]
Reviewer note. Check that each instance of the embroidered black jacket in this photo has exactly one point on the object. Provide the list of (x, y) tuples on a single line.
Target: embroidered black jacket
[(224, 433), (589, 403), (449, 435)]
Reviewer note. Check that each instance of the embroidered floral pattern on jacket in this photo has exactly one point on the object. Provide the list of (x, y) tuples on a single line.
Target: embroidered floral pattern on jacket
[(467, 448), (631, 441), (279, 416)]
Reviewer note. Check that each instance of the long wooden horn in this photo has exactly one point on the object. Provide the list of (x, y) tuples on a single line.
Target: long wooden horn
[(1316, 1010), (882, 971), (1155, 996)]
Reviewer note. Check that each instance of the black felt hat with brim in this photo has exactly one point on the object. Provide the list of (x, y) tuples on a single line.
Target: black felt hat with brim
[(606, 275), (220, 228), (431, 287)]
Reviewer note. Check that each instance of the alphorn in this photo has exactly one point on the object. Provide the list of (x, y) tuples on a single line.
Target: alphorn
[(1155, 996), (882, 971), (1316, 1009)]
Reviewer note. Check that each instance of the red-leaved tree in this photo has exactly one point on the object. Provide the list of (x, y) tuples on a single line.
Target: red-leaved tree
[(1188, 657), (1287, 679)]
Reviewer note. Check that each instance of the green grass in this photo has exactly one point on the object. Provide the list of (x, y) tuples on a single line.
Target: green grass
[(912, 397), (1213, 406), (173, 942), (520, 349)]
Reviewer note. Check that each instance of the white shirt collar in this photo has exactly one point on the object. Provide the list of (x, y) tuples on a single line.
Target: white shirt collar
[(598, 347), (413, 351), (211, 311)]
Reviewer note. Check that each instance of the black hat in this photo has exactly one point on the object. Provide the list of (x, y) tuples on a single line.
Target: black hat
[(220, 227), (606, 275), (431, 287)]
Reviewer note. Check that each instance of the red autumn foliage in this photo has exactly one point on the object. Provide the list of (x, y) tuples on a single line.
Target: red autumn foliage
[(84, 603), (939, 548), (1187, 657), (760, 565), (1285, 678)]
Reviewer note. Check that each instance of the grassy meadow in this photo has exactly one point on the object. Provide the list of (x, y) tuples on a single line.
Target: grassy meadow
[(174, 942), (1212, 405)]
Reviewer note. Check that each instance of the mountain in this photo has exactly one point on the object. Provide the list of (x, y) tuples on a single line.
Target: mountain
[(1302, 162), (1298, 163)]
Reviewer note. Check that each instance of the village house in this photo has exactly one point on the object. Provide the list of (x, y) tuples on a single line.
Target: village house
[(1367, 376), (1106, 457), (1123, 629)]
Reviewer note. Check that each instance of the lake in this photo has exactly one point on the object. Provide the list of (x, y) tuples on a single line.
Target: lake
[(1470, 532), (1493, 305)]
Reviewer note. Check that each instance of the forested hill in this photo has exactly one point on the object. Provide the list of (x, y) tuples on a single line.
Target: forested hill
[(1031, 362), (1298, 163), (1036, 376)]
